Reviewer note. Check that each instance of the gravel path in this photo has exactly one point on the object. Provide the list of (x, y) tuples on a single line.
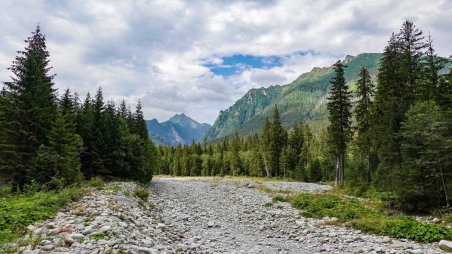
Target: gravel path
[(215, 216)]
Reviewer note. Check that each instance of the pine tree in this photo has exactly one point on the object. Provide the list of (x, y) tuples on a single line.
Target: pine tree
[(364, 92), (265, 147), (278, 139), (424, 181), (235, 162), (429, 87), (399, 77), (28, 110), (85, 122), (339, 107), (59, 159), (139, 123), (99, 136)]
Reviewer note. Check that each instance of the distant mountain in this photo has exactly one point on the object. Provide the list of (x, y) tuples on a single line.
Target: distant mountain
[(303, 99), (179, 129)]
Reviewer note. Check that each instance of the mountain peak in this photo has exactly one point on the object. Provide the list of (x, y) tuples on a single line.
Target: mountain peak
[(184, 120), (179, 129), (348, 58)]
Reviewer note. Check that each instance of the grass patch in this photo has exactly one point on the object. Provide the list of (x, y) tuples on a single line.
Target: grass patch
[(363, 216), (18, 211), (141, 193), (98, 236), (96, 182), (279, 198), (269, 204), (142, 204)]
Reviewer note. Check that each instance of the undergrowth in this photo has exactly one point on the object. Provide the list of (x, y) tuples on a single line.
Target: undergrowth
[(366, 216), (19, 210)]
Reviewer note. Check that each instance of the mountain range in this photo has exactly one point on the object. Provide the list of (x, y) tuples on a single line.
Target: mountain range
[(302, 100), (179, 129)]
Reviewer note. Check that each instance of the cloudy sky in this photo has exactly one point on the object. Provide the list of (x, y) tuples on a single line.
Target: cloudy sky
[(198, 57)]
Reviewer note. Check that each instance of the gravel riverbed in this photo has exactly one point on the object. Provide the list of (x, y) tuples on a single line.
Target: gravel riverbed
[(200, 215), (215, 216)]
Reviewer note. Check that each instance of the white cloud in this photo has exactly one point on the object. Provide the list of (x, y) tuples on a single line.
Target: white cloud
[(156, 50)]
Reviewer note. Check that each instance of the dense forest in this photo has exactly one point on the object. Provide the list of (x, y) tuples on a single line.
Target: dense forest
[(55, 141), (391, 136)]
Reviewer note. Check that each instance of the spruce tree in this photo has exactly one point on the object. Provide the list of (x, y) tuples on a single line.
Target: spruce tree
[(60, 159), (399, 78), (364, 92), (339, 107), (265, 147), (28, 110), (278, 139)]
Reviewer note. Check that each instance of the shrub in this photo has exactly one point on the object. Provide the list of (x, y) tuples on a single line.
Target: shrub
[(279, 199), (96, 182), (366, 219), (141, 193)]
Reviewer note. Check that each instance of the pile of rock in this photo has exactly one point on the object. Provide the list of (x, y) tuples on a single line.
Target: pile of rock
[(107, 221)]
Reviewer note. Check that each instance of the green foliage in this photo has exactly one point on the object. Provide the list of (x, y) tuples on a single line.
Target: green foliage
[(97, 182), (18, 211), (403, 227), (141, 193), (301, 100), (365, 218), (279, 198), (319, 206), (98, 236)]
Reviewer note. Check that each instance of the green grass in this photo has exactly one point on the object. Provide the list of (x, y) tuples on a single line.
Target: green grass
[(279, 198), (141, 193), (18, 211), (96, 182), (98, 236), (362, 214)]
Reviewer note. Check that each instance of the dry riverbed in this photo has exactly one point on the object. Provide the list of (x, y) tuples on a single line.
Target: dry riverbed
[(200, 215)]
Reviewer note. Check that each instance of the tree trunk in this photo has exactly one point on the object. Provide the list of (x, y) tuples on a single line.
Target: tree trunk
[(337, 170)]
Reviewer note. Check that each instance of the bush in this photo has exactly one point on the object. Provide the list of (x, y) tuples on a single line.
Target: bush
[(279, 199), (141, 193), (403, 227), (96, 182), (367, 219)]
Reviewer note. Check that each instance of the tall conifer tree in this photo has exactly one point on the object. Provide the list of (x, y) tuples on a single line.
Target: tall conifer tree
[(339, 107)]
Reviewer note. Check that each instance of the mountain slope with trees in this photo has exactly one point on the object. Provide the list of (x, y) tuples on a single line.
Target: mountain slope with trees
[(302, 100), (178, 130), (391, 135)]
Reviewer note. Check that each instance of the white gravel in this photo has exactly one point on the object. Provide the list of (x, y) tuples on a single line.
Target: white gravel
[(215, 216), (199, 215)]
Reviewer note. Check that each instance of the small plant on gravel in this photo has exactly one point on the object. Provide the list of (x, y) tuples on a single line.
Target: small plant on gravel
[(98, 236), (279, 198), (141, 193), (280, 207), (142, 204), (121, 217), (127, 193), (115, 188), (96, 182), (268, 204)]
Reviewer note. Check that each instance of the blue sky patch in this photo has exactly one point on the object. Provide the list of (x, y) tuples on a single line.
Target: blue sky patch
[(235, 64)]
